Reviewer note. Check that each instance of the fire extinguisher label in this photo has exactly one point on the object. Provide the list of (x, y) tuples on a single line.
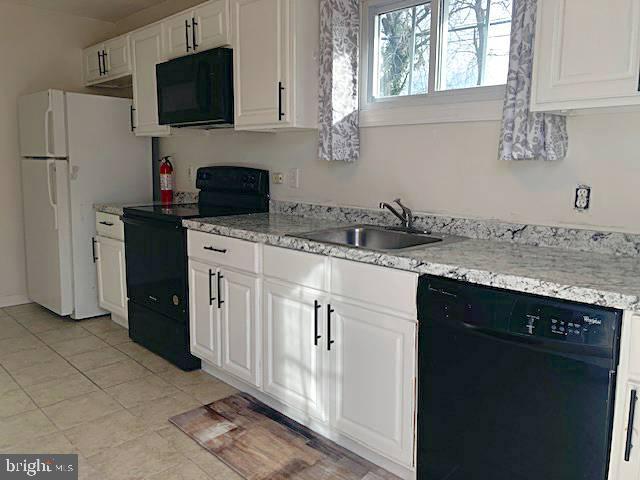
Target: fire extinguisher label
[(165, 182)]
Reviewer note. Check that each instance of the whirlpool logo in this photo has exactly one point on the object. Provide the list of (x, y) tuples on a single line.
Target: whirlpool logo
[(49, 467), (592, 320)]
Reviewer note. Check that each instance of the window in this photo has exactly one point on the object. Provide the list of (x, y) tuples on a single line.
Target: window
[(418, 47)]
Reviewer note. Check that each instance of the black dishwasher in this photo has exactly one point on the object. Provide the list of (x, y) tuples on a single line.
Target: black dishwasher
[(513, 386)]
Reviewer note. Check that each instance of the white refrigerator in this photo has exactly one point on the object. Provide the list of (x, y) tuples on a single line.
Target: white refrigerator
[(77, 150)]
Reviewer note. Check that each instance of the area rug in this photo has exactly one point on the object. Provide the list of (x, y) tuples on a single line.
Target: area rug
[(261, 444)]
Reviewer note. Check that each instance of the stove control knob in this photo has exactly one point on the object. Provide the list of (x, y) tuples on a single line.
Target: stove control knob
[(176, 300)]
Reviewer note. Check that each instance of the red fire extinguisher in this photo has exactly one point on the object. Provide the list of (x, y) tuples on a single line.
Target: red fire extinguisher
[(166, 180)]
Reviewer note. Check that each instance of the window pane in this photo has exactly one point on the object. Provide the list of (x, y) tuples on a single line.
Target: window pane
[(402, 51), (475, 47)]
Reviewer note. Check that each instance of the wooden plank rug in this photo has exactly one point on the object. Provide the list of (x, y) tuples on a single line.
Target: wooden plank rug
[(262, 444)]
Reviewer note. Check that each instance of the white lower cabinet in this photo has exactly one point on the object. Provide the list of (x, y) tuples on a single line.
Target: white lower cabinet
[(373, 361), (294, 358), (112, 283), (204, 325), (238, 297)]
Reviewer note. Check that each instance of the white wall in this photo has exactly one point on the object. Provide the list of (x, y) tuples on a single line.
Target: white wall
[(447, 169), (38, 50)]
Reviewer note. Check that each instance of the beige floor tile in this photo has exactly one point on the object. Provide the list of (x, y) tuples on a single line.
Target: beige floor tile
[(86, 408), (143, 356), (21, 428), (117, 373), (6, 382), (98, 358), (17, 361), (178, 440), (69, 332), (210, 464), (87, 472), (54, 391), (180, 378), (19, 344), (109, 431), (44, 322), (184, 471), (14, 403), (136, 459), (25, 309), (156, 413), (101, 325), (9, 328), (209, 392), (75, 346), (141, 390), (42, 373), (116, 337), (51, 443)]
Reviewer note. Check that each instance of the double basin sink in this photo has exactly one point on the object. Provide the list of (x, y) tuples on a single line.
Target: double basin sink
[(372, 237)]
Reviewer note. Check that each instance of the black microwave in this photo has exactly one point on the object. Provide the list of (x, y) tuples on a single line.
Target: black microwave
[(196, 90)]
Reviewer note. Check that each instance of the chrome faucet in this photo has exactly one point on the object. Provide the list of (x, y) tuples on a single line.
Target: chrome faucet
[(406, 217)]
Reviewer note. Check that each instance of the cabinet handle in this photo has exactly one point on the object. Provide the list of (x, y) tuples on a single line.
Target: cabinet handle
[(632, 413), (133, 125), (211, 297), (220, 301), (186, 33), (217, 250), (100, 63), (316, 308), (194, 24), (329, 341), (108, 224), (280, 112), (93, 249), (104, 62)]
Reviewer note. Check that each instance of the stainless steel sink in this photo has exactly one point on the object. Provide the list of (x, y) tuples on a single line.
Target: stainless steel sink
[(371, 237)]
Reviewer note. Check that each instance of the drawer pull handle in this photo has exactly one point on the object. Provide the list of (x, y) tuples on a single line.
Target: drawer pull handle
[(632, 412), (316, 308), (108, 224), (217, 250)]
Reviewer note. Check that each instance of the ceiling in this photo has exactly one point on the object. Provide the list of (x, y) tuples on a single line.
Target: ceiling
[(107, 10)]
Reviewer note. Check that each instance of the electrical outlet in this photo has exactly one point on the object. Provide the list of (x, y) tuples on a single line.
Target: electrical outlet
[(277, 178), (583, 198), (293, 178)]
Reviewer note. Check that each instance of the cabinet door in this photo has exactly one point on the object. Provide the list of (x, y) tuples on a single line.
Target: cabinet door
[(118, 60), (212, 25), (178, 36), (261, 62), (238, 294), (112, 286), (574, 69), (146, 48), (92, 63), (204, 314), (373, 370), (293, 356)]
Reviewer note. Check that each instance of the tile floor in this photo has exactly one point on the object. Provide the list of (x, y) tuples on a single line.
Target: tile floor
[(85, 388)]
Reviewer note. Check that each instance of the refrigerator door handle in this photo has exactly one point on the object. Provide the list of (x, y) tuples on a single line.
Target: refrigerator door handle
[(49, 137), (52, 200)]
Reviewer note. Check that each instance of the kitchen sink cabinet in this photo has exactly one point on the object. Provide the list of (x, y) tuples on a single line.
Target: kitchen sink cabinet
[(275, 46), (205, 326), (574, 70)]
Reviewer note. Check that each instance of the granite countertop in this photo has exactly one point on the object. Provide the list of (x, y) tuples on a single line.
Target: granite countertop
[(593, 278), (118, 208)]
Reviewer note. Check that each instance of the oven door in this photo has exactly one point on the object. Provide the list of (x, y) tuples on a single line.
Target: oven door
[(196, 89), (156, 254)]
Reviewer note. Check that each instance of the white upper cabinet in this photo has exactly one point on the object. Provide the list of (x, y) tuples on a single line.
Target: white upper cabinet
[(587, 54), (196, 30), (107, 62), (275, 46), (146, 46)]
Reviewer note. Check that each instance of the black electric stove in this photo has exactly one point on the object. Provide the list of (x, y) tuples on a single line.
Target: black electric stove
[(156, 252)]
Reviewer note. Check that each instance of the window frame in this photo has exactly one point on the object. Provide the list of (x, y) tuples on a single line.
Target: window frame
[(437, 106)]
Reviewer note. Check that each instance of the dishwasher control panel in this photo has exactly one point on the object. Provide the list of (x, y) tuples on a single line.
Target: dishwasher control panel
[(583, 326)]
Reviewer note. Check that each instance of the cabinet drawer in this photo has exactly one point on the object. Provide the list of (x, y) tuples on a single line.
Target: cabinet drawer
[(110, 226), (374, 285), (296, 267), (227, 251)]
